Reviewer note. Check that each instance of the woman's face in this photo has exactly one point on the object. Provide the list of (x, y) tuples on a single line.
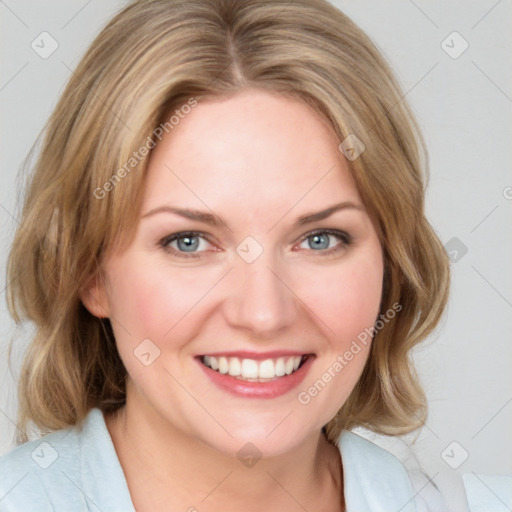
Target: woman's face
[(243, 267)]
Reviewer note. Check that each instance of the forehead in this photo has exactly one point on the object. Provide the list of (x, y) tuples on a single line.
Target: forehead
[(255, 151)]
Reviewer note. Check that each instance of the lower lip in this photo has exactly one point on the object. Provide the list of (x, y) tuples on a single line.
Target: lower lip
[(271, 389)]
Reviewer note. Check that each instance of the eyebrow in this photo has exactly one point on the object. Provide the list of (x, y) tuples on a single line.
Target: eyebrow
[(204, 217), (321, 215), (213, 220)]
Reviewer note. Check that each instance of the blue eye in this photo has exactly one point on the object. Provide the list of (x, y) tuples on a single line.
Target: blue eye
[(180, 243), (188, 243), (325, 241)]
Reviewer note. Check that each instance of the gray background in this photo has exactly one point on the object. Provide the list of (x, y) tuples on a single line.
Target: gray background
[(464, 106)]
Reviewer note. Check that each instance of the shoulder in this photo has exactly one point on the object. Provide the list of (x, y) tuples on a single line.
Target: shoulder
[(374, 479), (70, 468), (30, 471)]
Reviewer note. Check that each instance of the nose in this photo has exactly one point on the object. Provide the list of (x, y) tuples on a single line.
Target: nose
[(261, 301)]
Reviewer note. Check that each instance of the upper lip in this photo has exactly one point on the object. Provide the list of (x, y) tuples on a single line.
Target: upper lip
[(257, 355)]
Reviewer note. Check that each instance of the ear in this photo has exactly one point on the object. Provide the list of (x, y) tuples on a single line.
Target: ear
[(94, 297)]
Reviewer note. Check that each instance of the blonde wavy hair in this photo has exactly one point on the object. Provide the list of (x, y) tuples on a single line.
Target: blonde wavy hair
[(150, 59)]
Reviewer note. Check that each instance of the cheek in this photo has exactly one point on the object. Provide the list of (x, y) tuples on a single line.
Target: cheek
[(346, 297), (135, 304), (147, 302), (155, 302)]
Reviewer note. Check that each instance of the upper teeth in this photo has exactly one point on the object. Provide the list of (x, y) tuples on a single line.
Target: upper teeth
[(252, 369)]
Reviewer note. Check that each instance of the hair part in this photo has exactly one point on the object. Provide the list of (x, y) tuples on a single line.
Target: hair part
[(151, 59)]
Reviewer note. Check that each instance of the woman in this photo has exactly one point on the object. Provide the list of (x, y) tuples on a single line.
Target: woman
[(228, 263)]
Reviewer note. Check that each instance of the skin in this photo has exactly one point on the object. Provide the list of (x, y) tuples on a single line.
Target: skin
[(259, 161)]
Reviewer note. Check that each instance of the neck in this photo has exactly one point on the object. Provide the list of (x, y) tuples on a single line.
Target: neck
[(164, 466)]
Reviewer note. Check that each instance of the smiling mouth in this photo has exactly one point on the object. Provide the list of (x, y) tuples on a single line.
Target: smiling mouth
[(253, 370)]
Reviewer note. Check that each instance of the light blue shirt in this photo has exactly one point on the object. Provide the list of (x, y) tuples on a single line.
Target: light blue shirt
[(77, 470)]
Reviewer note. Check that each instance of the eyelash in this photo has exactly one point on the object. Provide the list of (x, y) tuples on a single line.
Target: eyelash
[(344, 237)]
